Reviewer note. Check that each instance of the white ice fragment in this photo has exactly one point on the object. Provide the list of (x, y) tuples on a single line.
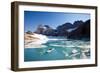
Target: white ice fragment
[(74, 51), (83, 56), (65, 53), (50, 50)]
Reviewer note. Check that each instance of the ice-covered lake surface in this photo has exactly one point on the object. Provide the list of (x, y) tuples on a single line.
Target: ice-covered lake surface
[(58, 48)]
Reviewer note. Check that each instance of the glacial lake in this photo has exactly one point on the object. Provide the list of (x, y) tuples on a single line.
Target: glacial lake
[(58, 48)]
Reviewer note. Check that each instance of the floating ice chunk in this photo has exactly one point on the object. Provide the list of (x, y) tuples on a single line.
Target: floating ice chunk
[(35, 46), (73, 55), (74, 51), (56, 39), (50, 50), (85, 50), (84, 47), (65, 53), (83, 56), (58, 45)]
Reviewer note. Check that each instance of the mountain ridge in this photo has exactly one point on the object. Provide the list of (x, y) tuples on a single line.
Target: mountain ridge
[(78, 29)]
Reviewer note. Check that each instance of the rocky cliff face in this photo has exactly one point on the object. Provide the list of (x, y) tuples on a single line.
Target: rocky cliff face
[(46, 30), (76, 30), (86, 28), (83, 30), (62, 29), (40, 29)]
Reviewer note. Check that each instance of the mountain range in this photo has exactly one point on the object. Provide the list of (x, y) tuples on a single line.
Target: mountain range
[(77, 30)]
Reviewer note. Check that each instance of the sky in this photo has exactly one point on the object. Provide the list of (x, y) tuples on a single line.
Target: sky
[(34, 18)]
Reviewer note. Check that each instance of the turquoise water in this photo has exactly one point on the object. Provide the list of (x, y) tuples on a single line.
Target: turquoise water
[(57, 48)]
